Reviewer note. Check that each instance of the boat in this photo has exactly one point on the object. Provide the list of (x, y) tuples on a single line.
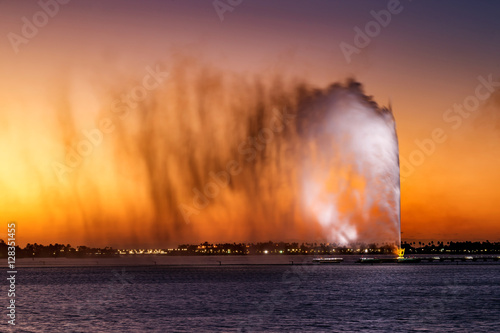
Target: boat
[(327, 260), (369, 260)]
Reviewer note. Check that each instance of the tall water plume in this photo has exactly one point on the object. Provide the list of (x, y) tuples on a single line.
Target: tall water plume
[(214, 156)]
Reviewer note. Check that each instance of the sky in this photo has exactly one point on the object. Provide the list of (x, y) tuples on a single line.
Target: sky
[(67, 65)]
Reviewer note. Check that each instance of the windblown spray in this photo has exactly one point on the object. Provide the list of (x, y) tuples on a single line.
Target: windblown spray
[(218, 157)]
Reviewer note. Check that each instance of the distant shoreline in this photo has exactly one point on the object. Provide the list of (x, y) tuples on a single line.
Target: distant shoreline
[(260, 249), (161, 261)]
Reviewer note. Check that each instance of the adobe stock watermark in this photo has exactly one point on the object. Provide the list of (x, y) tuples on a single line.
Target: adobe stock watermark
[(248, 149), (11, 273), (122, 109), (454, 116), (222, 6), (373, 28), (30, 27)]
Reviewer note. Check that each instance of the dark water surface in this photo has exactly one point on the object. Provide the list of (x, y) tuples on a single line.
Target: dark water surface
[(248, 298)]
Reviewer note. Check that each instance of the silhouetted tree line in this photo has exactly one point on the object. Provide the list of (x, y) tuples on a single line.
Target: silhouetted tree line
[(281, 248), (61, 250), (56, 250), (451, 247)]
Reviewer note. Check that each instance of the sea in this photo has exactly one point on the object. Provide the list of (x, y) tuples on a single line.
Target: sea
[(251, 294)]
